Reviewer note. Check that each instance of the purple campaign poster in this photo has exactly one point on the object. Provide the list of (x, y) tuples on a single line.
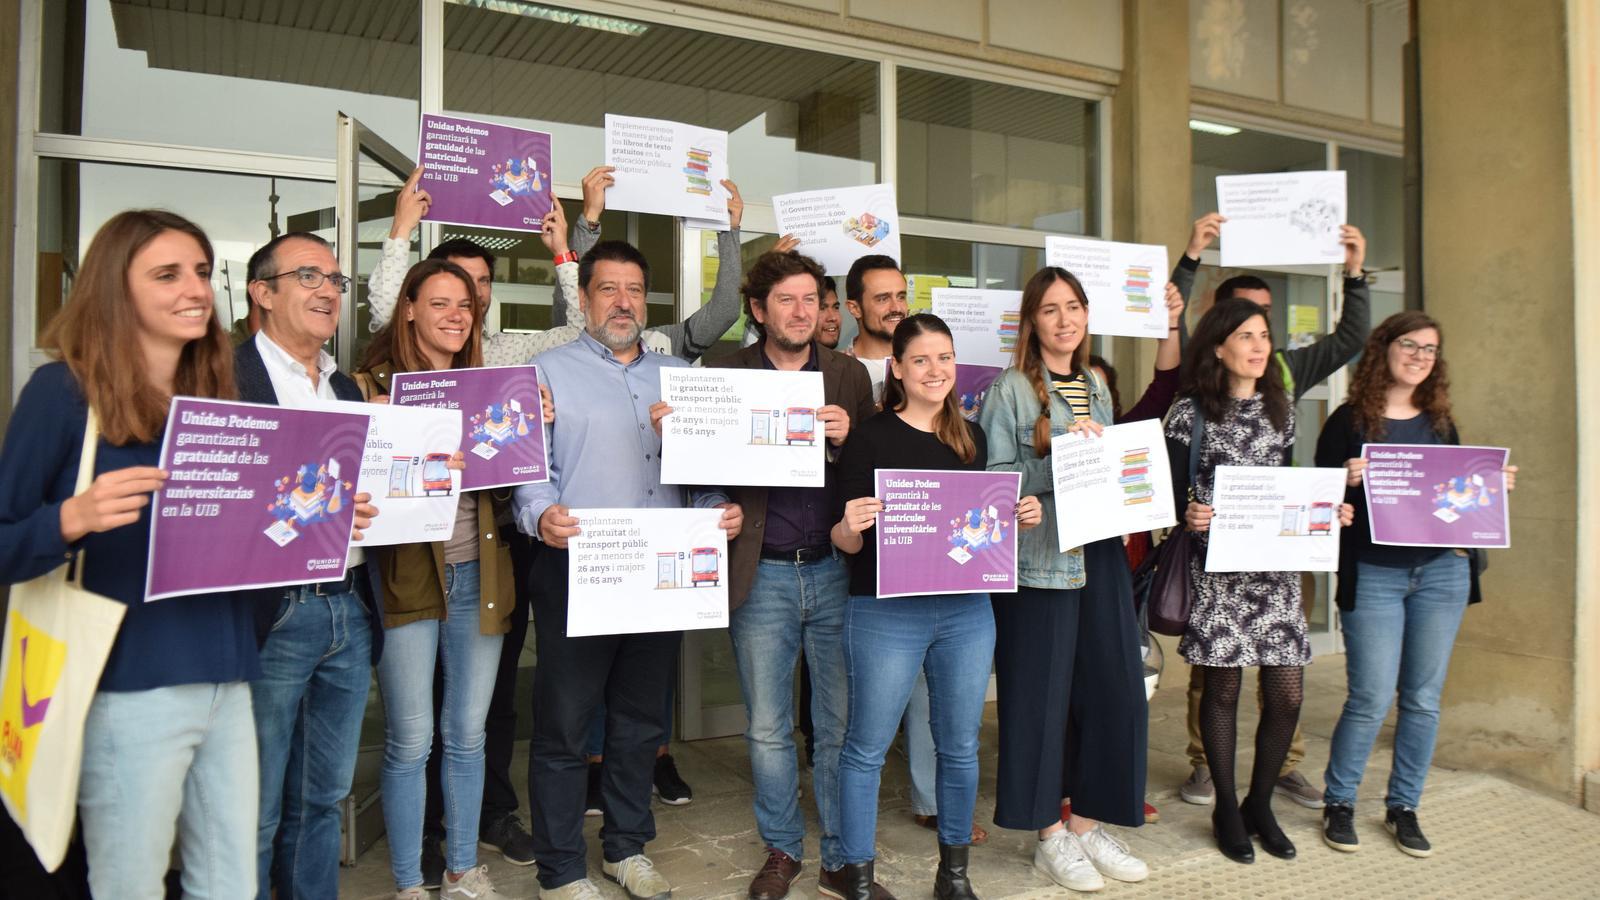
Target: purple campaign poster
[(485, 174), (502, 420), (944, 532), (1427, 495), (256, 496), (972, 382)]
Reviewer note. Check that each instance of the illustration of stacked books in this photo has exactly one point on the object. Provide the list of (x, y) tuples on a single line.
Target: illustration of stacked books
[(1135, 480), (1136, 289), (697, 172), (308, 504), (1009, 323)]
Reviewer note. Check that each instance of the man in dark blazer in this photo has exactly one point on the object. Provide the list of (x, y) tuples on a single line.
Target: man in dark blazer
[(788, 586), (319, 641)]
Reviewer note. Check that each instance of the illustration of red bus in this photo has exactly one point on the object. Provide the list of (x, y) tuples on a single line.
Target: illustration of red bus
[(704, 568), (1322, 518), (801, 425), (436, 474)]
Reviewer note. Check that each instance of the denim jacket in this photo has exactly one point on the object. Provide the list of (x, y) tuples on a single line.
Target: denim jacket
[(1009, 410)]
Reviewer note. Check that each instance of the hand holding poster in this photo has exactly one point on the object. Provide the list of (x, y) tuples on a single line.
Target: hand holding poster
[(668, 168), (484, 174), (502, 420), (637, 570), (1282, 218), (406, 469), (1275, 519), (1429, 495), (837, 226), (742, 426), (946, 532), (256, 496), (1111, 485), (1126, 283)]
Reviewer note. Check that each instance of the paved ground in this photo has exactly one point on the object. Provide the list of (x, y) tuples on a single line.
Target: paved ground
[(1491, 838)]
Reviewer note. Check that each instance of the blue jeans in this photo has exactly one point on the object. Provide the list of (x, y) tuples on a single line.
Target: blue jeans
[(471, 661), (170, 762), (950, 637), (1397, 639), (920, 757), (793, 606), (315, 673)]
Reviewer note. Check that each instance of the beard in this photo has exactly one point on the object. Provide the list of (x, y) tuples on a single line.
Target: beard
[(616, 340), (787, 344)]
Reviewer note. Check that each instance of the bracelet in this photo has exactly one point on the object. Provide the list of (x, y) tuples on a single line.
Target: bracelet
[(566, 257)]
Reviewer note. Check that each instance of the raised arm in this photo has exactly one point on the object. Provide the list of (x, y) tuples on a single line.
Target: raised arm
[(694, 336), (584, 235), (1311, 365), (383, 285)]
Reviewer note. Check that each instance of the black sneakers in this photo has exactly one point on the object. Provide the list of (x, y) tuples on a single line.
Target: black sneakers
[(509, 837), (1339, 827), (669, 786), (1402, 823)]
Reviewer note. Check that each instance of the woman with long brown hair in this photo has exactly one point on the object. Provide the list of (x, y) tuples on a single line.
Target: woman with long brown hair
[(169, 744), (1400, 607), (1073, 717), (889, 641), (448, 601)]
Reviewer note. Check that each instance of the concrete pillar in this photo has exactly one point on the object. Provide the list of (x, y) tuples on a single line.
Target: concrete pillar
[(1498, 266)]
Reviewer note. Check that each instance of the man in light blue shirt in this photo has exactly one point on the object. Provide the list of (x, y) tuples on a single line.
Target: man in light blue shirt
[(605, 452)]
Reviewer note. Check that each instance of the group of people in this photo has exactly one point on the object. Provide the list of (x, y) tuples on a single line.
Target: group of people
[(228, 723)]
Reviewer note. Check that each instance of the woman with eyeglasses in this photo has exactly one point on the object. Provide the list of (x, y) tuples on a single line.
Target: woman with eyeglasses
[(1400, 606)]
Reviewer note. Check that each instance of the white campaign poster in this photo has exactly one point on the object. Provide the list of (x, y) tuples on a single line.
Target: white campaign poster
[(837, 226), (1126, 283), (1275, 519), (983, 323), (1111, 485), (405, 467), (742, 426), (667, 168), (1282, 218), (637, 570)]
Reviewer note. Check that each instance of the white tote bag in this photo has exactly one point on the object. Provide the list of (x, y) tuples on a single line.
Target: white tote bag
[(57, 639)]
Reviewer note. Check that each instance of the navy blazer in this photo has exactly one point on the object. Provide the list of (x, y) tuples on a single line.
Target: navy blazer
[(255, 386)]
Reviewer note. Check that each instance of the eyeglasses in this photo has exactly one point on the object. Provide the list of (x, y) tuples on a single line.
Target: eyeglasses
[(312, 278), (1412, 348)]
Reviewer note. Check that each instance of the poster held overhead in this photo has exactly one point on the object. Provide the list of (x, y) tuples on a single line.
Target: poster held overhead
[(1282, 218), (1275, 519), (1125, 283), (1430, 495), (1114, 484), (837, 226), (668, 168), (638, 570), (484, 174), (742, 427), (256, 496)]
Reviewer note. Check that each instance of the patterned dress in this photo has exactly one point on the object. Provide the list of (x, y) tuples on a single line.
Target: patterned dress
[(1239, 618)]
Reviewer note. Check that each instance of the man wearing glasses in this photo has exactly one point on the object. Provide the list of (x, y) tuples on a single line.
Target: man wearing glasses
[(319, 640)]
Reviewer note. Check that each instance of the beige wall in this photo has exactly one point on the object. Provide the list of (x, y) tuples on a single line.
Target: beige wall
[(1497, 260)]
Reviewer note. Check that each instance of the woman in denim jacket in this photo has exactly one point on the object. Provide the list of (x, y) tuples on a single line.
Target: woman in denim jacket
[(1071, 622)]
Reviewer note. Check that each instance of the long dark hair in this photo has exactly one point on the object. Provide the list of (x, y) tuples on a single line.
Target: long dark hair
[(396, 344), (94, 334), (1369, 387), (948, 425), (1206, 379), (1027, 357)]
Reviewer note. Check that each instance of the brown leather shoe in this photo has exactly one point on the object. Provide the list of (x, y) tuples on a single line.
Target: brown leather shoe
[(775, 877)]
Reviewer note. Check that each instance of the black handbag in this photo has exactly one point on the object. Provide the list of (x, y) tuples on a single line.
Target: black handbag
[(1162, 583)]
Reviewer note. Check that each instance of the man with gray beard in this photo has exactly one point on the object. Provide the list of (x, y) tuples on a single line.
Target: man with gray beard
[(605, 452)]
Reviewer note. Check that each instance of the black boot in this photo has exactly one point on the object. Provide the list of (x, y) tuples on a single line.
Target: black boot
[(1228, 827), (951, 882), (859, 883), (1259, 821)]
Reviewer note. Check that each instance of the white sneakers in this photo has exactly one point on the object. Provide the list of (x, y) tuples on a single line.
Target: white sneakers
[(582, 889), (638, 876), (1083, 863), (474, 884)]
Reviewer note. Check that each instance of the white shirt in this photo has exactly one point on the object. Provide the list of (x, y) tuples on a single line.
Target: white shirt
[(292, 383)]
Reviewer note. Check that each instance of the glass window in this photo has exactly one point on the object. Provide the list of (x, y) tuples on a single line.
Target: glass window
[(1245, 153), (974, 151), (268, 77), (1377, 205), (239, 213), (797, 119), (1298, 303)]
